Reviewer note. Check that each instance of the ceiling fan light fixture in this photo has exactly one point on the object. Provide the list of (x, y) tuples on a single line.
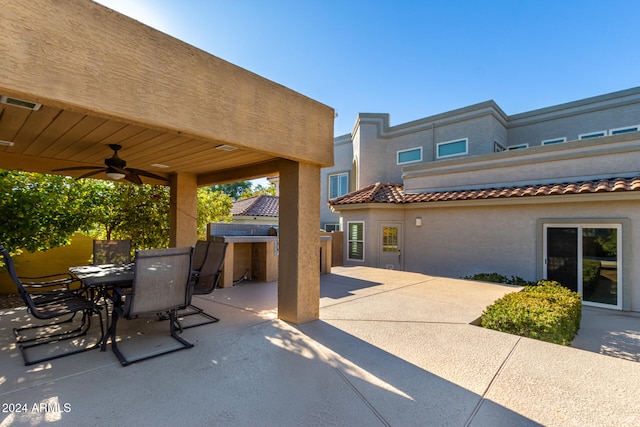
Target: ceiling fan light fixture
[(116, 176)]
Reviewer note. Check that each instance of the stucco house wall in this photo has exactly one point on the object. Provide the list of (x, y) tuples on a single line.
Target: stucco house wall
[(457, 239), (570, 120)]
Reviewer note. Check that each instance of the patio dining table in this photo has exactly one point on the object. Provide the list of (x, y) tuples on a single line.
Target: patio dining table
[(99, 279)]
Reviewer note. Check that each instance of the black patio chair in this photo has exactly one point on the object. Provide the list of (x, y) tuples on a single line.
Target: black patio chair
[(206, 275), (160, 285), (51, 298), (111, 252)]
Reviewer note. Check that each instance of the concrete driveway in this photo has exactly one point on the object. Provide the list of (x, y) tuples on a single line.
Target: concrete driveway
[(391, 349)]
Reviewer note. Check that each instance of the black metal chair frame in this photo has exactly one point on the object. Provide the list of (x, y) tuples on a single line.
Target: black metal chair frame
[(49, 298), (205, 278), (125, 305)]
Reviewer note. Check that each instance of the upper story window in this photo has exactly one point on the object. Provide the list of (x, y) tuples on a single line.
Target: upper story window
[(409, 156), (624, 130), (338, 184), (452, 148), (329, 227), (518, 146), (554, 141), (593, 134), (498, 148)]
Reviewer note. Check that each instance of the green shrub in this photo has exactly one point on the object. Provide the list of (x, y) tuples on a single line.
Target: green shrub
[(499, 278), (546, 311)]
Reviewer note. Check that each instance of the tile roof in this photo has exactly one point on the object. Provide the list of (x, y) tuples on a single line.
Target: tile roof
[(261, 205), (394, 193)]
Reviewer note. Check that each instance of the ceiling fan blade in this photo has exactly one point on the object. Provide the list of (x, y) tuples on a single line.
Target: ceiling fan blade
[(78, 168), (132, 177), (88, 174), (147, 174)]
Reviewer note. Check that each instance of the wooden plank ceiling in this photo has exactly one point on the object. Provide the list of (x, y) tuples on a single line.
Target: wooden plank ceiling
[(52, 138)]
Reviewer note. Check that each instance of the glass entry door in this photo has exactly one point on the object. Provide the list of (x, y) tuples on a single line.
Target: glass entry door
[(586, 258)]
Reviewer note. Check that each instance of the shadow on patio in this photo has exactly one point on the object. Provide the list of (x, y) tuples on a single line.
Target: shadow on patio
[(389, 349)]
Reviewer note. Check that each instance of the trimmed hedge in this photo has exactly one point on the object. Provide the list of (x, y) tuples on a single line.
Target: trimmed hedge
[(500, 278), (546, 311)]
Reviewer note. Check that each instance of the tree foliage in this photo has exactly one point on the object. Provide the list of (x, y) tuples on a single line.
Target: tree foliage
[(213, 206), (41, 212), (269, 190), (234, 190)]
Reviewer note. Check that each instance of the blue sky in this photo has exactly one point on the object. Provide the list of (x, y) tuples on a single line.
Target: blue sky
[(413, 59)]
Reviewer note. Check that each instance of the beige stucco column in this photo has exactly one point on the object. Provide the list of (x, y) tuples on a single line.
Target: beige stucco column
[(183, 212), (299, 231)]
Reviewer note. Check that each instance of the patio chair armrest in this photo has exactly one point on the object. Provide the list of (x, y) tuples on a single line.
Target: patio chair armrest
[(119, 298), (55, 281)]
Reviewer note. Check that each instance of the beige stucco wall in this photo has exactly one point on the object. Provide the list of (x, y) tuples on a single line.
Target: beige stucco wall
[(80, 55), (463, 238), (574, 160)]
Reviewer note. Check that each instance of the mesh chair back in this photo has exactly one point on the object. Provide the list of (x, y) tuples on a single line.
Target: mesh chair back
[(111, 251), (211, 268), (11, 269), (199, 254), (161, 280)]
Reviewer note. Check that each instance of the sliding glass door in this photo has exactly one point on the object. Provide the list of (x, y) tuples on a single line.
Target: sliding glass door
[(586, 258)]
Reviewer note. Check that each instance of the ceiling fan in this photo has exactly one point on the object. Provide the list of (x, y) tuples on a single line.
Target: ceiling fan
[(115, 168)]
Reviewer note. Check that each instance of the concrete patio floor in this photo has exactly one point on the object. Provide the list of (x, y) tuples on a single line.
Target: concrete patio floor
[(391, 349)]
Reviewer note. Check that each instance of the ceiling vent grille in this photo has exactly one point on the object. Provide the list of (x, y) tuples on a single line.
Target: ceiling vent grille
[(20, 103)]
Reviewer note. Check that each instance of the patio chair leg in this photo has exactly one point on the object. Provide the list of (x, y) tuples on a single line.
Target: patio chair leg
[(78, 332), (173, 321), (16, 331), (197, 311)]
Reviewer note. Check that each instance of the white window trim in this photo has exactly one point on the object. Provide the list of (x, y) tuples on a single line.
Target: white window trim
[(398, 162), (554, 141), (588, 135), (348, 231), (496, 145), (466, 148), (517, 147), (635, 128), (579, 226), (329, 183), (336, 225)]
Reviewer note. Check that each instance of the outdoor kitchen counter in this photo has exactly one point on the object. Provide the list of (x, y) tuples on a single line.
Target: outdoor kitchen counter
[(249, 257), (256, 258)]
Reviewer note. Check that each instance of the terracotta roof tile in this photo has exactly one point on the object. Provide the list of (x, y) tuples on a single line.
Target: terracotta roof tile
[(394, 193), (261, 205)]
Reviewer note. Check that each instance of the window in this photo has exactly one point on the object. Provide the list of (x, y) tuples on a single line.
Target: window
[(452, 148), (338, 185), (331, 227), (390, 239), (355, 241), (409, 156), (624, 130), (518, 147), (593, 134), (498, 148), (554, 141), (586, 258)]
